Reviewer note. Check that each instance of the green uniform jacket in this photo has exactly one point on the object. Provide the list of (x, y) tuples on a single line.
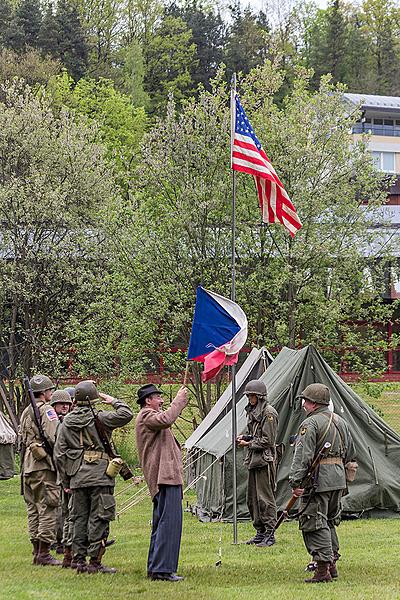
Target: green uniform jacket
[(30, 435), (315, 430), (78, 433), (262, 425)]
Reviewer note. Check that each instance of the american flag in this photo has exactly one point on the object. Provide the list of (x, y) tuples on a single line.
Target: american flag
[(249, 157)]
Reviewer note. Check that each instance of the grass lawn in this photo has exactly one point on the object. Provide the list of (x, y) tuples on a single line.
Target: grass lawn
[(368, 570)]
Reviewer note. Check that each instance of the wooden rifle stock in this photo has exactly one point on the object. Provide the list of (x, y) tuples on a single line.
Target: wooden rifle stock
[(37, 418)]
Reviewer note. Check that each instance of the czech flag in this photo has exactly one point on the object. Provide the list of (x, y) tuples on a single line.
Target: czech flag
[(219, 331)]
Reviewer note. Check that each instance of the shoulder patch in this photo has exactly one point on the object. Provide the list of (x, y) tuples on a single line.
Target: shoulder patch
[(303, 430), (51, 414), (270, 418)]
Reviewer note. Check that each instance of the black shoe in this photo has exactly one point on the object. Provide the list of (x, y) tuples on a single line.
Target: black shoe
[(269, 540), (257, 538), (165, 577)]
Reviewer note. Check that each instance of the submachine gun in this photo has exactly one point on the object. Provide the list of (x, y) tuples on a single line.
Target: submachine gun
[(308, 481), (116, 465)]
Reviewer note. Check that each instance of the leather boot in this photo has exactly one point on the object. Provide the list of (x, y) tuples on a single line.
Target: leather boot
[(321, 574), (95, 566), (44, 557), (257, 538), (268, 539), (79, 563), (35, 551), (332, 567), (67, 561)]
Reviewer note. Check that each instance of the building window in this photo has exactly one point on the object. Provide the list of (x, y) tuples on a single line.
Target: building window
[(384, 161)]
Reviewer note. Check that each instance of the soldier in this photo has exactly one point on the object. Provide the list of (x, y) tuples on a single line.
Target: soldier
[(40, 489), (62, 403), (82, 462), (321, 505), (260, 441), (161, 460)]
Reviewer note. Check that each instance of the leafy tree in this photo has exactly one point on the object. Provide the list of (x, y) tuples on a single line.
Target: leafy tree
[(130, 75), (72, 44), (245, 43), (30, 66), (48, 39), (169, 58), (53, 182), (26, 23), (208, 34), (6, 14)]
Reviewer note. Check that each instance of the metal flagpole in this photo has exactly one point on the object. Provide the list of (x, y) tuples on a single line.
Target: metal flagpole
[(233, 297)]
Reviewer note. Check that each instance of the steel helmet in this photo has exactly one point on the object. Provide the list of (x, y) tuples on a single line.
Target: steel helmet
[(60, 396), (71, 391), (85, 391), (255, 386), (317, 392), (41, 383)]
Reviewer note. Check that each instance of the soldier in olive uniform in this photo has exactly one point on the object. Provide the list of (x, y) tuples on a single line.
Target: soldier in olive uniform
[(41, 492), (321, 506), (259, 441), (62, 403), (82, 463)]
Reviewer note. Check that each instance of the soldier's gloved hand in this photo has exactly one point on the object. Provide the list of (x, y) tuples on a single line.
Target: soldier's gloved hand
[(106, 398), (298, 492), (183, 394)]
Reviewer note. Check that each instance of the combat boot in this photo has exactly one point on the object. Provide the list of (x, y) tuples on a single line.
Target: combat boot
[(95, 566), (67, 561), (35, 551), (321, 574), (79, 563), (332, 567), (268, 539), (257, 538), (44, 557)]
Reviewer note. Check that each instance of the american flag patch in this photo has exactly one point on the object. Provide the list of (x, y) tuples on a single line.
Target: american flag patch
[(51, 414)]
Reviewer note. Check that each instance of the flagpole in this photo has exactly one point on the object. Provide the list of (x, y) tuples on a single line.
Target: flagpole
[(233, 298)]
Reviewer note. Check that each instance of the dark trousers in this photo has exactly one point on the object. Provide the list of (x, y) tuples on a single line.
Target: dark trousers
[(261, 497), (92, 509), (317, 524), (166, 533)]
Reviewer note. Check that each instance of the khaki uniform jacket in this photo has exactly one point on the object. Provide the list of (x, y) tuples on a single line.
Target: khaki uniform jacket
[(77, 434), (30, 435), (159, 452), (315, 430), (262, 425)]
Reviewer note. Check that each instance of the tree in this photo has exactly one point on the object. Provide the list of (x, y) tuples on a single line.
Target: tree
[(26, 25), (49, 34), (169, 58), (30, 66), (53, 182), (245, 42), (72, 43)]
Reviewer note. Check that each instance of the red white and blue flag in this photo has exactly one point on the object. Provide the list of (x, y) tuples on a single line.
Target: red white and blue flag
[(219, 331), (249, 157)]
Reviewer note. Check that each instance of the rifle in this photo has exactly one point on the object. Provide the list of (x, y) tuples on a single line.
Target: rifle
[(36, 414), (125, 471), (306, 482)]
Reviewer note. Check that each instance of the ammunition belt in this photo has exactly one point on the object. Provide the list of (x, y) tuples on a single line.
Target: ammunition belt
[(331, 460), (94, 455)]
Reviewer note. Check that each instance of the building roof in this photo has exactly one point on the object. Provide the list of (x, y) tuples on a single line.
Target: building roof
[(372, 101)]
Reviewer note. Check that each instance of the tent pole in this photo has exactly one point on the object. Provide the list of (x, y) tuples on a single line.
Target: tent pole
[(233, 297)]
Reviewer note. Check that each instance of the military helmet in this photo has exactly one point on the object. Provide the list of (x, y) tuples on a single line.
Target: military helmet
[(71, 391), (255, 386), (41, 383), (316, 392), (85, 391), (60, 397)]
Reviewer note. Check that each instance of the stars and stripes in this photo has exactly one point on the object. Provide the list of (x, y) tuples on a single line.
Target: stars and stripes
[(249, 157)]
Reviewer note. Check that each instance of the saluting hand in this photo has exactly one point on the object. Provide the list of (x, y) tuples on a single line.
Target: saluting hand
[(106, 398)]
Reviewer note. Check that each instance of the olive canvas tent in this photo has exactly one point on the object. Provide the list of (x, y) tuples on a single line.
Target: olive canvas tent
[(376, 490), (7, 441)]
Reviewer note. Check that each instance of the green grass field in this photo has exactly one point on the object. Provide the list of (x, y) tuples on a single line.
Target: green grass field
[(368, 570)]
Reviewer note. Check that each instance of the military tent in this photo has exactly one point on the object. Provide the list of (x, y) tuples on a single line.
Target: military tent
[(376, 490), (7, 441)]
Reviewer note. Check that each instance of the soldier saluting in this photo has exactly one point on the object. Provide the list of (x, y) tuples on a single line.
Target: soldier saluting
[(82, 460), (321, 504)]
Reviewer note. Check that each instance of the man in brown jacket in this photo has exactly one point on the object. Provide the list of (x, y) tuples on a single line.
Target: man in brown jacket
[(161, 460)]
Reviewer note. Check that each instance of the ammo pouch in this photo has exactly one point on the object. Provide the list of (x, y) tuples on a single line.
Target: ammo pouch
[(38, 452), (351, 470)]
